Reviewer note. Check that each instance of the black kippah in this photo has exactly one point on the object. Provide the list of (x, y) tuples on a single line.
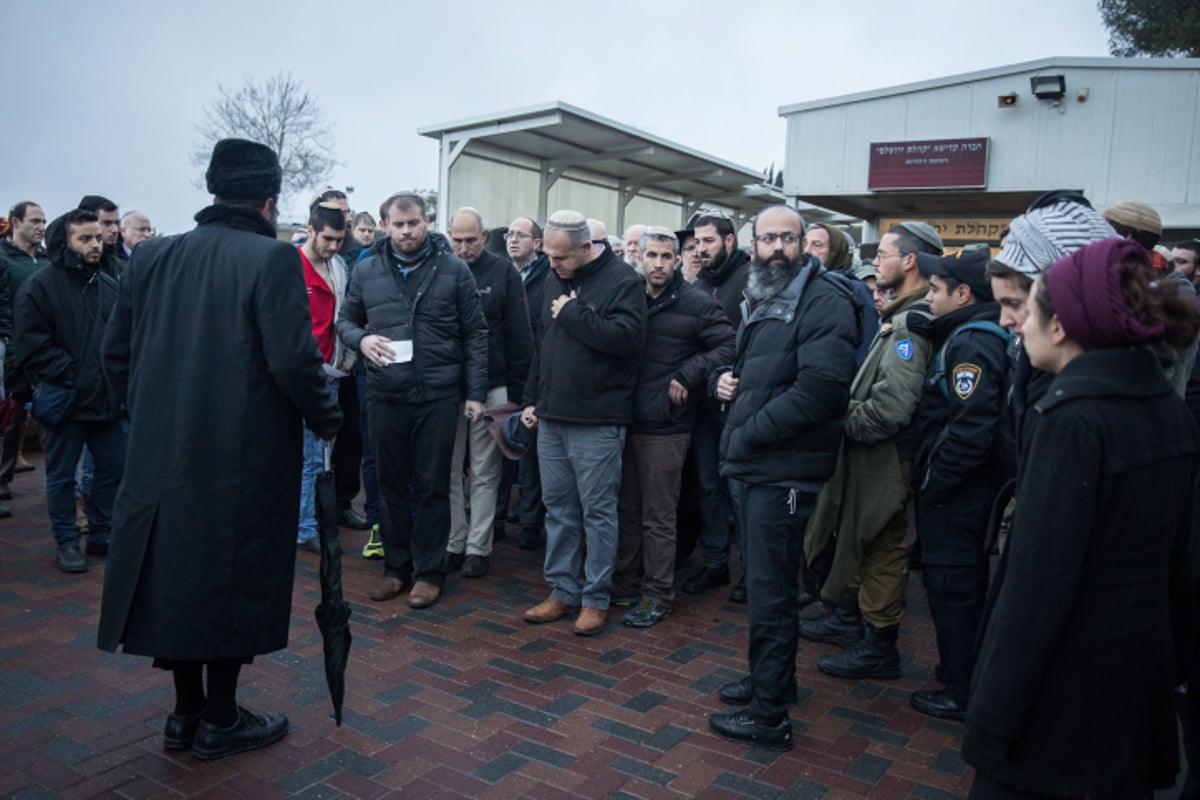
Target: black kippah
[(243, 169)]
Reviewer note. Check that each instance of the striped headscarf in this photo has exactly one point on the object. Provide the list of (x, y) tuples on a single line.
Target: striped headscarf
[(1042, 236)]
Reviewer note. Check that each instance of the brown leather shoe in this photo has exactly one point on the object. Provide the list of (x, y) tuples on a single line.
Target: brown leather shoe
[(423, 594), (548, 610), (591, 621), (388, 588)]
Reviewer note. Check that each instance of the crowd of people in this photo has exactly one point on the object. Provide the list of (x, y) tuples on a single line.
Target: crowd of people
[(1029, 414)]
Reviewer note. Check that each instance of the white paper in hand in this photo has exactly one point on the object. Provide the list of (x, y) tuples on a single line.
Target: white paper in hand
[(402, 351)]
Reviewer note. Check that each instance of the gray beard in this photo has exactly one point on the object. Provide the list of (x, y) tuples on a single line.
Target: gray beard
[(766, 282)]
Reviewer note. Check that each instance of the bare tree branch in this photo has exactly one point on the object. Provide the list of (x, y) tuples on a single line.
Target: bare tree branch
[(280, 114)]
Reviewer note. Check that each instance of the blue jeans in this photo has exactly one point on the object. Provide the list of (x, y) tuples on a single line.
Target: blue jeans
[(314, 464), (64, 444), (581, 479), (370, 475)]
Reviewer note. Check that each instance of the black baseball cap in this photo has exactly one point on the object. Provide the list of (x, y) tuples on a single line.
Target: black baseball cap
[(969, 267)]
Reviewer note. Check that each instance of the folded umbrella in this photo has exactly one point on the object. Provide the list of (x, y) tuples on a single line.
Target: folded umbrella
[(333, 614)]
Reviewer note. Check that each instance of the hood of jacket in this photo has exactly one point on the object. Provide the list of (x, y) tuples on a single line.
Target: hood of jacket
[(60, 254)]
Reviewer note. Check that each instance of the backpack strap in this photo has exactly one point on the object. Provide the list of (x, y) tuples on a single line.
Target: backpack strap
[(939, 376)]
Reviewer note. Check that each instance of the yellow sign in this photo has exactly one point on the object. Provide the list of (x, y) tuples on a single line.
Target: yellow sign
[(960, 230)]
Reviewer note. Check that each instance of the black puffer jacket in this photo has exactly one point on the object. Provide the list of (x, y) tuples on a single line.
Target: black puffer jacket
[(586, 364), (727, 283), (510, 343), (687, 336), (61, 314), (444, 320), (795, 362)]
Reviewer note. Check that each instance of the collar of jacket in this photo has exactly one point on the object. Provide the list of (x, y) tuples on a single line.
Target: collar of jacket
[(537, 268), (1129, 372), (243, 219), (667, 296), (783, 305), (903, 303), (732, 263), (940, 327), (595, 265), (12, 249)]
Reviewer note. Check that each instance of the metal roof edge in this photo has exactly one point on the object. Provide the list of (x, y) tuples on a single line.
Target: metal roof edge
[(994, 72)]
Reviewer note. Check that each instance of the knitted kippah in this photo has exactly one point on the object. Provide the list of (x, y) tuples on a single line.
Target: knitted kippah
[(1133, 214), (567, 220)]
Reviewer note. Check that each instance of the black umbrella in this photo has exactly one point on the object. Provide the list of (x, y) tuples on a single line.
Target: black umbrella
[(333, 614)]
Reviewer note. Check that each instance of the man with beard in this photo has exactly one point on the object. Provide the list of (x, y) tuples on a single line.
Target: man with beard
[(20, 257), (687, 335), (632, 245), (865, 505), (106, 211), (723, 274), (200, 576), (524, 245), (61, 315), (413, 312), (789, 386)]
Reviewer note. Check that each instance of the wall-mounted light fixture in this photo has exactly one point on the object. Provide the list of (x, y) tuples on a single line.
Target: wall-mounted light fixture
[(1048, 87)]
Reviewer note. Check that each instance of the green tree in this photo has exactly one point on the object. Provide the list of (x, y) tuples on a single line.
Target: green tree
[(1152, 27)]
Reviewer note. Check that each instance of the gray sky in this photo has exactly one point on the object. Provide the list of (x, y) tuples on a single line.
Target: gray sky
[(105, 99)]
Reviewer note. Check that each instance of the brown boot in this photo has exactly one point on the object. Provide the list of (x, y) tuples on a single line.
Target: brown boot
[(548, 610), (388, 588), (591, 621), (424, 594)]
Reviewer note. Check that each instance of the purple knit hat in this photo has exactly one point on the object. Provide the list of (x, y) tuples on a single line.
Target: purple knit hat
[(1086, 290)]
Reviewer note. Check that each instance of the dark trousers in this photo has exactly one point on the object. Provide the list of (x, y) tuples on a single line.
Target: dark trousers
[(714, 490), (955, 574), (531, 511), (15, 385), (508, 476), (774, 519), (64, 444), (412, 445), (348, 446), (651, 467), (370, 477)]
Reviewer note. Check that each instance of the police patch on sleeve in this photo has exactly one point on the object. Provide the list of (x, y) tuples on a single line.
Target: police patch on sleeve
[(904, 349), (966, 378)]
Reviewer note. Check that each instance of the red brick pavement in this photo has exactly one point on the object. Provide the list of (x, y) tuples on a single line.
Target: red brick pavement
[(461, 700)]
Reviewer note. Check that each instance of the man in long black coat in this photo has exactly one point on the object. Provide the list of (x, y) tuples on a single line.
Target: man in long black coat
[(210, 344)]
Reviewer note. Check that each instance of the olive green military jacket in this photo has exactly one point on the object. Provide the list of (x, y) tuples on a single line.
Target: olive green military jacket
[(870, 483)]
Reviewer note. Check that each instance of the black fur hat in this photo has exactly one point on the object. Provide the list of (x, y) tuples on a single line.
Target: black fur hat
[(243, 169)]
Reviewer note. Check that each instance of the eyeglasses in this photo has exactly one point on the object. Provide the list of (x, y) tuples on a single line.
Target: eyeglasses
[(771, 238), (518, 235)]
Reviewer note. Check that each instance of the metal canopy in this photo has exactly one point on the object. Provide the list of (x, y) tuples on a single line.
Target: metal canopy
[(561, 138)]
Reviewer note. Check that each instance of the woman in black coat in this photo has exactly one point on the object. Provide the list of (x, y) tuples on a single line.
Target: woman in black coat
[(1072, 694)]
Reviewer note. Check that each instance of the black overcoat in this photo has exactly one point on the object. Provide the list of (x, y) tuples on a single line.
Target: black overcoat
[(1072, 691), (211, 344)]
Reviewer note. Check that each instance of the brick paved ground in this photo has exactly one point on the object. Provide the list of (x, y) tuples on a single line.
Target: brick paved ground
[(462, 700)]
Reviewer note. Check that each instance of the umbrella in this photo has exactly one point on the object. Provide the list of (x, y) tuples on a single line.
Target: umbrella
[(333, 614)]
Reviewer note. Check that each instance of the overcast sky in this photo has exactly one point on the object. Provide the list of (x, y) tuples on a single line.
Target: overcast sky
[(104, 99)]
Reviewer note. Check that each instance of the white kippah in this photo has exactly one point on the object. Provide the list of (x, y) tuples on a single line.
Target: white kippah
[(567, 220)]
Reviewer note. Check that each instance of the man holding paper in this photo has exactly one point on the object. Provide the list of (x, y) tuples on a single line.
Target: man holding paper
[(413, 312)]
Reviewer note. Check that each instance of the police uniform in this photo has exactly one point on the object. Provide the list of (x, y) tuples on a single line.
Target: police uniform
[(956, 476)]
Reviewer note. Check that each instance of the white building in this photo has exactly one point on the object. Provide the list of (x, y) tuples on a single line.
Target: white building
[(968, 152)]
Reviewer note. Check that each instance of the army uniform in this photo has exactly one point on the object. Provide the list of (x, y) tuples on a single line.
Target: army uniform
[(865, 504)]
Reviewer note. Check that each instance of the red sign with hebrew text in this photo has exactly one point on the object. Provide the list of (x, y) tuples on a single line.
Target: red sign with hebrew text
[(934, 164)]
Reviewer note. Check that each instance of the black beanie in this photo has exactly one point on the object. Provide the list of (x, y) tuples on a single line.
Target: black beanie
[(243, 169)]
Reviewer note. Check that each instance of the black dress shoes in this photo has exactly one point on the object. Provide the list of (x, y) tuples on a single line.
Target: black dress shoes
[(349, 518), (707, 578), (251, 731), (738, 693), (942, 705), (741, 727), (180, 731)]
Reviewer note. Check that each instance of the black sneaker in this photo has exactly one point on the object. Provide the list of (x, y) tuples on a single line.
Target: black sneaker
[(741, 727), (647, 614), (250, 732), (707, 578), (69, 558), (942, 705), (474, 566), (740, 693)]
